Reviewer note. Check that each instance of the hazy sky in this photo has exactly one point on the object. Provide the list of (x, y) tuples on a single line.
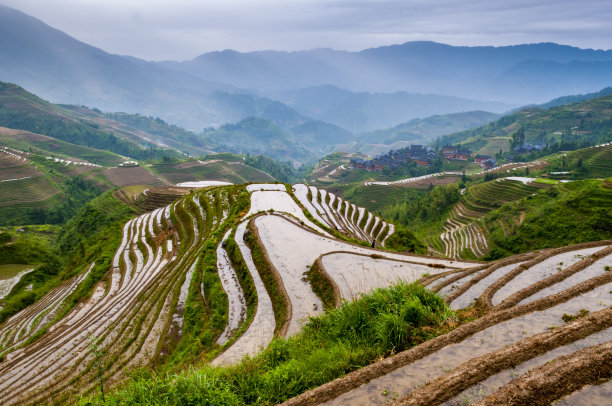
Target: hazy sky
[(183, 29)]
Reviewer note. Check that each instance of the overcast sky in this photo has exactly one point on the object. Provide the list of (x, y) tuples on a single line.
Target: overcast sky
[(183, 29)]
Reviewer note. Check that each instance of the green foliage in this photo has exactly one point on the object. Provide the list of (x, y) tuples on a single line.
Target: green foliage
[(215, 297), (76, 192), (175, 136), (4, 238), (256, 135), (205, 317), (562, 128), (279, 302), (281, 171), (565, 214), (404, 240), (420, 210), (583, 164), (96, 220), (243, 273), (330, 345), (321, 286), (23, 110)]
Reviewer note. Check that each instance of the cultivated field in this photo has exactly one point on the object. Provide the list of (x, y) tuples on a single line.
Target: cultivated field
[(544, 332), (216, 274)]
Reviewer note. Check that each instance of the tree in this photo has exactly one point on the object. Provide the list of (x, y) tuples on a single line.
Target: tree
[(518, 138)]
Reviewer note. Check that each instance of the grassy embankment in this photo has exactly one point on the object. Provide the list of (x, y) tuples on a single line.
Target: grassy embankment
[(567, 213), (330, 345)]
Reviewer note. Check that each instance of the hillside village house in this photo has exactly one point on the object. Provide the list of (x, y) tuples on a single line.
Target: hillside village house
[(449, 151), (415, 153), (479, 159)]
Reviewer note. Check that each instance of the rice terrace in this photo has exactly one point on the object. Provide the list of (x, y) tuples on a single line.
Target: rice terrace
[(305, 203)]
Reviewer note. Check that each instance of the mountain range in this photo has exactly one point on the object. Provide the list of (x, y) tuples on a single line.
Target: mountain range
[(359, 91)]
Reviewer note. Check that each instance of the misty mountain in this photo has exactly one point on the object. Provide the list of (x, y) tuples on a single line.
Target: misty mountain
[(61, 69), (359, 91), (366, 111), (517, 74), (256, 136), (321, 137), (577, 98), (417, 131), (426, 130)]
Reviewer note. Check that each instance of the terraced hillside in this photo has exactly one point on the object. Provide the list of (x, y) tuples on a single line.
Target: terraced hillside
[(464, 235), (221, 167), (135, 313), (569, 126), (542, 333), (222, 271), (593, 162), (185, 281)]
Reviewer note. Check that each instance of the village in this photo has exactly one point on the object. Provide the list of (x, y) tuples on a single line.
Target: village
[(422, 156)]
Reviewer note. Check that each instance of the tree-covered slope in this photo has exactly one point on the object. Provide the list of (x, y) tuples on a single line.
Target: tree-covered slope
[(565, 127), (22, 110), (568, 213), (259, 136), (423, 131)]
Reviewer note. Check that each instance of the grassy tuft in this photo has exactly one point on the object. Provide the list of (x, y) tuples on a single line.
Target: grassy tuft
[(329, 346)]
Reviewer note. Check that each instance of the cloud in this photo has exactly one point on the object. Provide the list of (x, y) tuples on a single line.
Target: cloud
[(183, 29)]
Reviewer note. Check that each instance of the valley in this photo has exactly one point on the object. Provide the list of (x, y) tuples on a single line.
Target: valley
[(398, 222)]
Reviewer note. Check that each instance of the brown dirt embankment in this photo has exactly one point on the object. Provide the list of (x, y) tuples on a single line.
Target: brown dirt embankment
[(478, 369), (551, 381), (551, 280), (486, 299), (491, 268)]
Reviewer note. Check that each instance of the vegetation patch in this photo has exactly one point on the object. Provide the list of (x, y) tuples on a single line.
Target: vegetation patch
[(323, 286), (272, 281), (565, 214), (329, 346)]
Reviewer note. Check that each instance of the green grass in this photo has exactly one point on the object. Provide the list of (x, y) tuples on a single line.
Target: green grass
[(321, 286), (9, 271), (330, 345), (565, 214), (279, 301), (546, 181)]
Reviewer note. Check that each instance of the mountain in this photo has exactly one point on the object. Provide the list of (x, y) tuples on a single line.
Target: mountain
[(365, 111), (569, 126), (577, 98), (416, 131), (321, 136), (513, 74), (255, 136), (22, 110), (425, 130), (62, 69)]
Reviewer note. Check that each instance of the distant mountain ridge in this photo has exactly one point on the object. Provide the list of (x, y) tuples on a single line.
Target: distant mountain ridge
[(365, 111), (62, 69), (516, 74)]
